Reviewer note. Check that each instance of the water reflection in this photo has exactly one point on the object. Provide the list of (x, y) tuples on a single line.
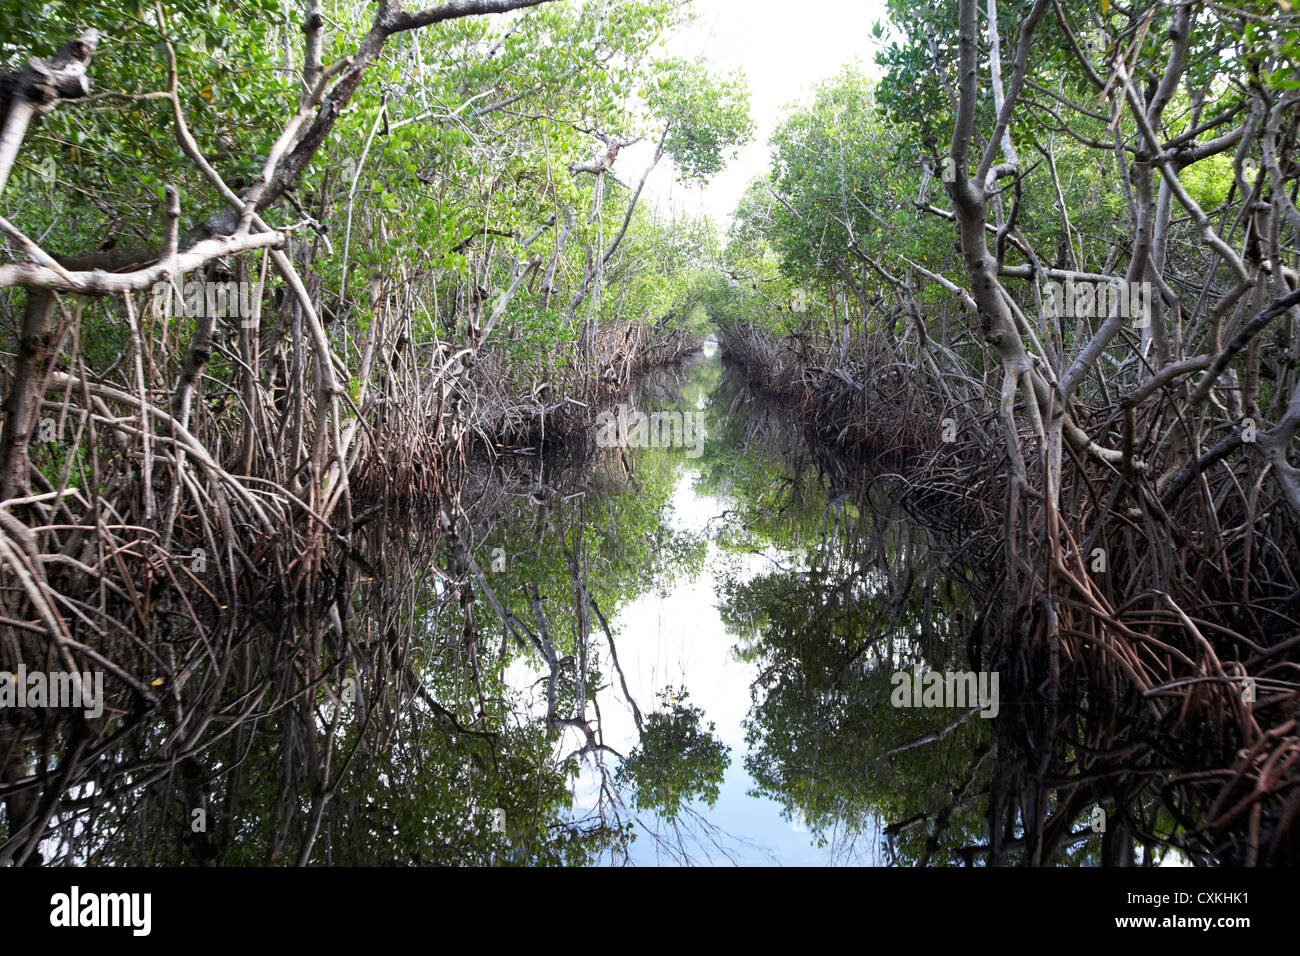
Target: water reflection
[(610, 655), (792, 592)]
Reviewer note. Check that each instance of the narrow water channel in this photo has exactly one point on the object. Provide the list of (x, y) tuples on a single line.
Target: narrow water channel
[(679, 639), (678, 650), (761, 600)]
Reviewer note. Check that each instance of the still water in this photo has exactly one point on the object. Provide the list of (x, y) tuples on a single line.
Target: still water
[(678, 638), (772, 601), (615, 653)]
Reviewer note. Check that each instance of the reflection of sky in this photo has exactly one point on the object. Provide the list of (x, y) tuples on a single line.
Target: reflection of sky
[(680, 640)]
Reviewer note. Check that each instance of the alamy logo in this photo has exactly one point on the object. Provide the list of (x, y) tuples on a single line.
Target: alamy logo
[(1089, 297), (946, 689), (102, 909), (202, 297), (54, 689), (635, 429)]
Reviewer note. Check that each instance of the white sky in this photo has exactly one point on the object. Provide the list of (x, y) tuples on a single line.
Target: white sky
[(783, 49)]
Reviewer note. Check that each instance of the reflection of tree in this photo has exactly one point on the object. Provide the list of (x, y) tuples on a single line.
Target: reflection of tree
[(676, 761), (853, 590), (849, 594), (403, 754), (822, 733), (380, 726), (578, 547)]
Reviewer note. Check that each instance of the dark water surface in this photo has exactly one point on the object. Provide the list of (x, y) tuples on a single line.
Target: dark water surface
[(695, 666)]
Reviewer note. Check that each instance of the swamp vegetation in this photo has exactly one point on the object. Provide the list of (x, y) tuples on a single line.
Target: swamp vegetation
[(309, 312)]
